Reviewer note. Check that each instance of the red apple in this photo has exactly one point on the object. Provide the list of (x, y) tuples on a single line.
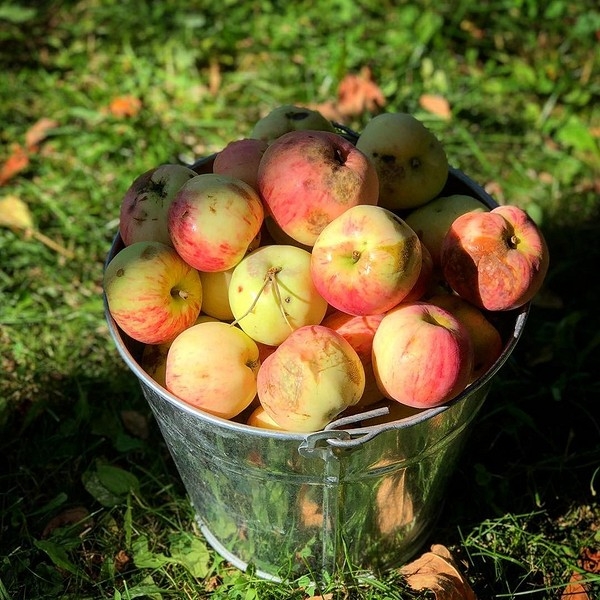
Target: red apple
[(496, 260), (213, 219), (487, 341), (307, 178), (152, 293), (240, 159), (422, 355), (311, 377), (366, 260), (425, 279)]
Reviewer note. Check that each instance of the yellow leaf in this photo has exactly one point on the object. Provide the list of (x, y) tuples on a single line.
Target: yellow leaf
[(14, 213), (437, 105)]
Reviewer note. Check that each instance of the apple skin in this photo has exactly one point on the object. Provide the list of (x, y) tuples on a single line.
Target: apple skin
[(313, 376), (366, 260), (269, 282), (359, 332), (286, 118), (422, 355), (307, 178), (215, 294), (240, 159), (432, 220), (259, 417), (496, 260), (410, 160), (144, 208), (213, 219), (152, 293), (221, 383), (425, 279), (486, 339)]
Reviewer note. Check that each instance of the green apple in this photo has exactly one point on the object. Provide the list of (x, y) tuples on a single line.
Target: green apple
[(410, 160), (432, 220), (286, 118)]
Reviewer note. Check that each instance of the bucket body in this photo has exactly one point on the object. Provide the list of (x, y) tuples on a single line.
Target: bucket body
[(288, 504)]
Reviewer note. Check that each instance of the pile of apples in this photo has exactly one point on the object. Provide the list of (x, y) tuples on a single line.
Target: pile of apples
[(300, 275)]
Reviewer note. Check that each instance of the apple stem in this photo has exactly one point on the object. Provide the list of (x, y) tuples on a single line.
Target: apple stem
[(270, 277), (513, 241), (181, 293)]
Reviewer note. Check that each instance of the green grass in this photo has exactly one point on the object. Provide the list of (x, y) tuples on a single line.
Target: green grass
[(522, 80)]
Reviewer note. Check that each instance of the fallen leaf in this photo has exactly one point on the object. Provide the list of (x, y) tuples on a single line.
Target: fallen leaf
[(15, 163), (38, 132), (320, 597), (14, 213), (590, 560), (437, 571), (122, 560), (359, 93), (436, 105), (125, 106), (71, 516), (214, 76), (575, 590), (136, 423)]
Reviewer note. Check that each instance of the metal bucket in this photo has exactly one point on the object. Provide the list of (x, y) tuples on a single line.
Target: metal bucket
[(350, 497)]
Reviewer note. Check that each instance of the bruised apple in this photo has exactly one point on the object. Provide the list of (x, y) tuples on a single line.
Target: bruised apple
[(213, 366), (313, 376), (366, 260), (486, 339), (411, 162), (271, 293), (359, 331), (422, 355), (307, 178), (151, 292), (496, 260), (213, 219), (144, 208)]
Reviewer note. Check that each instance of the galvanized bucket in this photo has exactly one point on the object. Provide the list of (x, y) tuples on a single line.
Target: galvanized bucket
[(355, 496)]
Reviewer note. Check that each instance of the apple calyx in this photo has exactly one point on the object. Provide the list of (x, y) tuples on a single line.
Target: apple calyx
[(177, 292)]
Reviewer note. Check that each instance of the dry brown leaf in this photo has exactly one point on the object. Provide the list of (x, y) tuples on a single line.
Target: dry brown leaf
[(70, 516), (436, 105), (38, 132), (214, 76), (14, 213), (359, 93), (575, 590), (437, 571), (590, 560), (136, 423), (320, 597), (125, 106), (15, 163)]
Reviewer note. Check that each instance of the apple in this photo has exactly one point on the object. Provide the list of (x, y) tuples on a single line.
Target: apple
[(213, 366), (143, 212), (259, 417), (497, 260), (154, 356), (307, 178), (281, 237), (425, 279), (271, 293), (359, 332), (213, 219), (312, 376), (432, 220), (486, 339), (410, 160), (215, 294), (286, 118), (366, 260), (422, 355), (240, 159), (151, 292)]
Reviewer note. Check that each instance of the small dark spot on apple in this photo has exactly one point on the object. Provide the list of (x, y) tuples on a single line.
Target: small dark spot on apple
[(240, 289), (120, 272), (149, 253), (415, 163), (287, 299), (388, 159), (296, 116)]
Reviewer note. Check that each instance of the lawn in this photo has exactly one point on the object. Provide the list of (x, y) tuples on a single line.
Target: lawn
[(93, 93)]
